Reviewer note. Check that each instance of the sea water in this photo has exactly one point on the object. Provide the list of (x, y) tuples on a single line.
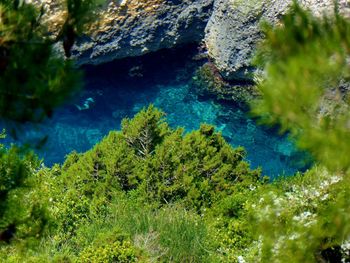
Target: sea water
[(120, 89)]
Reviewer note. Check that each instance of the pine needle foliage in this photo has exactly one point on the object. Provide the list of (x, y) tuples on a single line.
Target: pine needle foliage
[(33, 80), (306, 63), (115, 203), (23, 212), (305, 91), (195, 169)]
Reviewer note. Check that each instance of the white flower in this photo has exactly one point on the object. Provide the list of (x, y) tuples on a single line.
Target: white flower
[(345, 247), (294, 236), (277, 201), (252, 187), (324, 197), (324, 184), (311, 222), (316, 193), (241, 259), (335, 179), (303, 216)]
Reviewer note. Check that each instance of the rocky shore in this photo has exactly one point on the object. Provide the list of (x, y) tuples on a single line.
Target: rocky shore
[(230, 29), (133, 28)]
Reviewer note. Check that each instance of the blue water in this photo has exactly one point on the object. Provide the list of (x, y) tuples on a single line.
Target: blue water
[(120, 89)]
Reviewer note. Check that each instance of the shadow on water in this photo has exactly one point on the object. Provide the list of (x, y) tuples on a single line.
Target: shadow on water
[(120, 89)]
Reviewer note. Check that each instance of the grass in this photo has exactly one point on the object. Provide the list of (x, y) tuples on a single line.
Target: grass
[(168, 234)]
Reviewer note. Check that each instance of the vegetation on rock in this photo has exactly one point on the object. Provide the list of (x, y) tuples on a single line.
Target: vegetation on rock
[(208, 81)]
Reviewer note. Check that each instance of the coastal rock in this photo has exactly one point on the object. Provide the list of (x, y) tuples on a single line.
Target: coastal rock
[(128, 28), (133, 28), (233, 30)]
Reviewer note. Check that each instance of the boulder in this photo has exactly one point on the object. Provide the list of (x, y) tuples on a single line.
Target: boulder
[(233, 30)]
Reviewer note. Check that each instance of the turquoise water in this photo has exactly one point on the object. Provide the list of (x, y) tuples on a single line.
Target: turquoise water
[(120, 89)]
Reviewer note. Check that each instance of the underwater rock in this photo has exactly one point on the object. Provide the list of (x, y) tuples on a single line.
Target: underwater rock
[(208, 81), (135, 71), (286, 148), (233, 30), (86, 105), (93, 136)]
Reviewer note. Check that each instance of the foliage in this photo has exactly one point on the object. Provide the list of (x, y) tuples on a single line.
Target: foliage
[(145, 131), (131, 228), (113, 251), (27, 92), (79, 14), (114, 201), (142, 194), (305, 219), (200, 168), (33, 81), (230, 223), (23, 210), (164, 165), (305, 62), (152, 193), (169, 234)]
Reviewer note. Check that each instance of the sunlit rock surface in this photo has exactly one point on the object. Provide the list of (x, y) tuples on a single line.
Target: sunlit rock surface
[(128, 28), (132, 28), (233, 30)]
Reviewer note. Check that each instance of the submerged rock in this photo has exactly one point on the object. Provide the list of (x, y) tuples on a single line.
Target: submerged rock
[(208, 81), (233, 30)]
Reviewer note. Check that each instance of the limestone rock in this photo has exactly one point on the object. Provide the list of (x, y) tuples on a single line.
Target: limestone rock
[(136, 27), (233, 30)]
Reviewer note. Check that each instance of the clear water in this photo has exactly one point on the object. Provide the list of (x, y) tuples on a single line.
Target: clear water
[(120, 89)]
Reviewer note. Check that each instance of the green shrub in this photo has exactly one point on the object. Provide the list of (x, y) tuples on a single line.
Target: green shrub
[(23, 202), (111, 252), (150, 184), (200, 168), (164, 166), (305, 60)]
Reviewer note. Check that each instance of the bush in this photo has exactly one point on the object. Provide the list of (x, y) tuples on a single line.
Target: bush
[(305, 61), (109, 252), (151, 185), (164, 166), (23, 202)]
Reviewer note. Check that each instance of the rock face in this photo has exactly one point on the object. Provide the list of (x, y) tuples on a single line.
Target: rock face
[(133, 28), (233, 30), (230, 28)]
